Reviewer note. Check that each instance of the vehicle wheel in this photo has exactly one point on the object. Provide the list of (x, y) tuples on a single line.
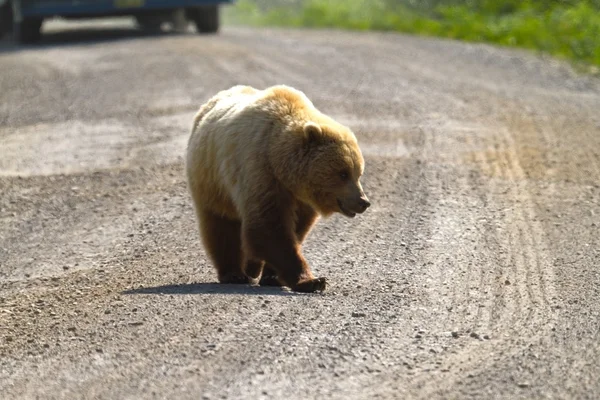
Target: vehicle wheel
[(150, 23), (28, 31), (205, 18)]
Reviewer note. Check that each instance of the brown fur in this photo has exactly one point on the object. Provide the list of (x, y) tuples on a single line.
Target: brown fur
[(262, 166)]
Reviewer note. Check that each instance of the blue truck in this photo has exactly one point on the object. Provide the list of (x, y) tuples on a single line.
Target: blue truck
[(24, 18)]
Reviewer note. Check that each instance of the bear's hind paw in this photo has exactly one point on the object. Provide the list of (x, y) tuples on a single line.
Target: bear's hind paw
[(270, 280), (311, 285), (234, 279)]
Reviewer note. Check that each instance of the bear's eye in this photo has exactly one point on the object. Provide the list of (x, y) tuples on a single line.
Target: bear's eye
[(344, 175)]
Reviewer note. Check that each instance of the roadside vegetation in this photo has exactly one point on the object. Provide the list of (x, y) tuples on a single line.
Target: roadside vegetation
[(565, 28)]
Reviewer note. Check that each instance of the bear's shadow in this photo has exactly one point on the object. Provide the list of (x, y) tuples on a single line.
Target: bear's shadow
[(213, 288)]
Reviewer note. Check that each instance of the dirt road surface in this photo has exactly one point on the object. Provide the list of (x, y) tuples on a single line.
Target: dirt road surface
[(475, 274)]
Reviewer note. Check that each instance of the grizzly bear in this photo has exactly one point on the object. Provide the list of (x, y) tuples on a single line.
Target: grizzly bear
[(262, 165)]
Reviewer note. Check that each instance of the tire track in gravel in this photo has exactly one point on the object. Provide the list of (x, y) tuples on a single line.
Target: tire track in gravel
[(532, 285), (517, 303), (535, 274), (539, 151)]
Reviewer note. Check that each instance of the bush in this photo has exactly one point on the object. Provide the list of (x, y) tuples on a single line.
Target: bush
[(565, 28)]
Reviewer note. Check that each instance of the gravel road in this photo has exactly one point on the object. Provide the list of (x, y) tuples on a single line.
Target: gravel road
[(474, 274)]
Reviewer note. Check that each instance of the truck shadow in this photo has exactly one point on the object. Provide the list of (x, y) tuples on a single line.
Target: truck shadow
[(213, 288), (83, 37)]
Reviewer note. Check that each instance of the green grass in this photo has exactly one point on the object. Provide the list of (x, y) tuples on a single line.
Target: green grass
[(565, 28)]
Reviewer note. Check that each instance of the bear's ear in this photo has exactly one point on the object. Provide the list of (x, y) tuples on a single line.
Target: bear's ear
[(312, 132)]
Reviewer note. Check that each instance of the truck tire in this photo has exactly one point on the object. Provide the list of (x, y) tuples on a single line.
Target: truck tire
[(205, 18), (29, 30)]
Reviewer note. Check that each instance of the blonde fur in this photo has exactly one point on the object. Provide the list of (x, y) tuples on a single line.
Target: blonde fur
[(252, 150)]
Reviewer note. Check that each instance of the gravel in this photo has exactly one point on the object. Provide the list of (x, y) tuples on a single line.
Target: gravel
[(481, 164)]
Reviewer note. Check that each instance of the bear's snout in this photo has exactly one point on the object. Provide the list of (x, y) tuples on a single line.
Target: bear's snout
[(355, 206), (363, 204)]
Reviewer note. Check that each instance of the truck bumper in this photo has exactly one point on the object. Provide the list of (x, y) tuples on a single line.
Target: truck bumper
[(94, 8)]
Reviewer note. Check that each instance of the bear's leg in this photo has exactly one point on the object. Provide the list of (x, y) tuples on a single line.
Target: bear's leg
[(270, 236), (305, 219), (253, 269), (259, 269), (221, 238)]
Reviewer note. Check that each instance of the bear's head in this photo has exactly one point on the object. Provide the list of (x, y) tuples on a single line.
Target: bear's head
[(332, 167)]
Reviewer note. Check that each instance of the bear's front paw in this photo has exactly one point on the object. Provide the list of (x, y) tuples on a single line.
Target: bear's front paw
[(310, 286)]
